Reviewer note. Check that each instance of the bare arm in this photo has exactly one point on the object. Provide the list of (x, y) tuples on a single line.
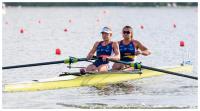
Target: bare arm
[(140, 46), (116, 51), (92, 51)]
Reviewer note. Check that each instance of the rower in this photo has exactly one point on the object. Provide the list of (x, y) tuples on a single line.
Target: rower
[(105, 50), (129, 49)]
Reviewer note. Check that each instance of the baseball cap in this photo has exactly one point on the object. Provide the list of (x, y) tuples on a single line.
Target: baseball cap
[(106, 30)]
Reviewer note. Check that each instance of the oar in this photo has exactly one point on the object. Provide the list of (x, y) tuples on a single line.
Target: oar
[(66, 61), (139, 66)]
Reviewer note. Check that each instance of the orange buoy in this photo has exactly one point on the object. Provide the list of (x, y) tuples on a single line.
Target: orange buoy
[(182, 43), (21, 30), (174, 25), (65, 30), (142, 27), (58, 51)]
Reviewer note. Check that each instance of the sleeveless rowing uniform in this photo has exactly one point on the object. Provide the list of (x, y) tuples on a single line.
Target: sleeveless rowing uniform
[(127, 50), (103, 51)]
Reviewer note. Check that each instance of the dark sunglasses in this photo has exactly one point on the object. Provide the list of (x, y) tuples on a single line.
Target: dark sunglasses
[(126, 32)]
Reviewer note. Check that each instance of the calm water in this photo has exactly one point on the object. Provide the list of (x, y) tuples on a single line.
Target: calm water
[(44, 32)]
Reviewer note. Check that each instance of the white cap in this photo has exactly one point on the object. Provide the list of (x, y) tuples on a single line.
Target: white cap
[(106, 30)]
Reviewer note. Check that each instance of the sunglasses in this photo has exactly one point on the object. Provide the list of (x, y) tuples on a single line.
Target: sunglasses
[(126, 32)]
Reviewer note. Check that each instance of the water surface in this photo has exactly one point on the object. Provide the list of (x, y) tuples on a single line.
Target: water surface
[(39, 41)]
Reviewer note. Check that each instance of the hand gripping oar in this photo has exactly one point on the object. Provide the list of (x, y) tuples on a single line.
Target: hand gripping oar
[(139, 66), (66, 61)]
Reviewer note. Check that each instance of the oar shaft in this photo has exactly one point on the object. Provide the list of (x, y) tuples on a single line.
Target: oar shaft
[(35, 64), (156, 69), (67, 61), (169, 72)]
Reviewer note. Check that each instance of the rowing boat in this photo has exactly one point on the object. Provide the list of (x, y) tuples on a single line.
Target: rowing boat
[(97, 79)]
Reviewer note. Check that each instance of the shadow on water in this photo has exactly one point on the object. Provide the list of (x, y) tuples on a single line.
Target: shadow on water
[(117, 89)]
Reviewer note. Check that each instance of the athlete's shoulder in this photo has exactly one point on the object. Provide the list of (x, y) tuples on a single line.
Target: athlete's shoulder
[(97, 43), (136, 41), (114, 42)]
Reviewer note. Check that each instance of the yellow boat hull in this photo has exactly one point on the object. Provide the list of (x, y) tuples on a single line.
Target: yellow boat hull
[(87, 80)]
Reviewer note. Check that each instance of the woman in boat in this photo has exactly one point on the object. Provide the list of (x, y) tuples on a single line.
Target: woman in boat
[(105, 50), (129, 49)]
